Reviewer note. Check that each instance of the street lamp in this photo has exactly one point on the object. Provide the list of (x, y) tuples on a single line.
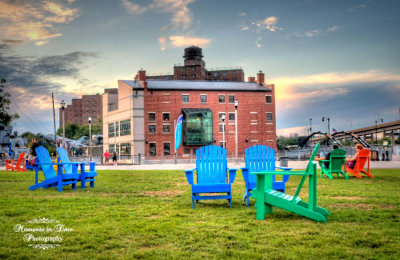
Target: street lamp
[(90, 138), (223, 130), (329, 128), (236, 127), (310, 125), (63, 121), (380, 120)]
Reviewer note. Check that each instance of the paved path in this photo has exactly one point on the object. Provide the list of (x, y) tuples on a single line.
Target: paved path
[(292, 164)]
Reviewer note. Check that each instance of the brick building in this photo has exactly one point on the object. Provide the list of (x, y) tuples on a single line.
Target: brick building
[(143, 121), (81, 108)]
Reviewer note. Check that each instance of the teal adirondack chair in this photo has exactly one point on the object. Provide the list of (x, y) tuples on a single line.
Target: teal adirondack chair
[(336, 161), (211, 175), (69, 167), (51, 178), (259, 158), (266, 197)]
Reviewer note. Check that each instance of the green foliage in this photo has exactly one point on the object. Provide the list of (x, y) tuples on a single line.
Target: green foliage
[(148, 215), (283, 141), (5, 101), (75, 131), (47, 144)]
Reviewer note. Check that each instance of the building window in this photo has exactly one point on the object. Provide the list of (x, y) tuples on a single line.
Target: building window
[(268, 99), (125, 127), (231, 99), (152, 149), (220, 116), (111, 131), (186, 151), (216, 74), (231, 116), (125, 149), (185, 98), (222, 144), (116, 128), (221, 99), (192, 67), (165, 117), (203, 99), (167, 150), (222, 128), (166, 129), (113, 148), (152, 129), (269, 116), (152, 117)]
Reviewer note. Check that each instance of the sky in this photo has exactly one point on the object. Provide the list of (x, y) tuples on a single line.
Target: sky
[(336, 59)]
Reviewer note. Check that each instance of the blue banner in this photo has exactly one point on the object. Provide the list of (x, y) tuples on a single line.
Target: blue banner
[(178, 132)]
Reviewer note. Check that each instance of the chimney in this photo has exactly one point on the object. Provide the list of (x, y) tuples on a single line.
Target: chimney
[(260, 78), (251, 79), (142, 75)]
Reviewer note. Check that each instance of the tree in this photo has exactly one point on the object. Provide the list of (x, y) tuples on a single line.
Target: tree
[(70, 130), (5, 117)]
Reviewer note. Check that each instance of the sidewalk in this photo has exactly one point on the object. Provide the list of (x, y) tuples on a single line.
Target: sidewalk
[(183, 166)]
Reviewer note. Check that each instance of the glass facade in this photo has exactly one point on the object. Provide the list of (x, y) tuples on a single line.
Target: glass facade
[(125, 149), (197, 126), (125, 127), (113, 130)]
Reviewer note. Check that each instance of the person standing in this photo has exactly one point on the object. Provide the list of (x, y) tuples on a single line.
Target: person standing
[(106, 157), (114, 158)]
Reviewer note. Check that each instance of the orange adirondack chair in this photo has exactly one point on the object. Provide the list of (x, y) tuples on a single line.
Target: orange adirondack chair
[(363, 157), (17, 165)]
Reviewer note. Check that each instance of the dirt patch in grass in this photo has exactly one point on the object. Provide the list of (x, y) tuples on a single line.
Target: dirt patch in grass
[(362, 206), (167, 193), (348, 198), (182, 183)]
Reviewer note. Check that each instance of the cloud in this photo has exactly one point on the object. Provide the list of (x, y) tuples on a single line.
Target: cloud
[(354, 96), (316, 32), (24, 21), (165, 28), (258, 42), (333, 28), (242, 14), (312, 33), (183, 41), (269, 23), (133, 8), (356, 8), (245, 28)]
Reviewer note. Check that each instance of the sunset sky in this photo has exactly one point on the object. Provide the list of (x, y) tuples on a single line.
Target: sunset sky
[(338, 59)]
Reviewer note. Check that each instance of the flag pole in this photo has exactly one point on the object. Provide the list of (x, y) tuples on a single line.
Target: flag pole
[(54, 120)]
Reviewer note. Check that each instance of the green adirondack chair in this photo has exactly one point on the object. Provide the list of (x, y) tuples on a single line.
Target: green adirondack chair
[(336, 161), (266, 197)]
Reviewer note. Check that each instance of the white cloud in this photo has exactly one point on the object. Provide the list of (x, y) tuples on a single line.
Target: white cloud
[(183, 41), (34, 22), (133, 8), (312, 33), (242, 14), (258, 42), (245, 28), (269, 23), (333, 28), (300, 130)]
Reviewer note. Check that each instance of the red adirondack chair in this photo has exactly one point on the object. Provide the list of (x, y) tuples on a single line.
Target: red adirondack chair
[(16, 165), (363, 157)]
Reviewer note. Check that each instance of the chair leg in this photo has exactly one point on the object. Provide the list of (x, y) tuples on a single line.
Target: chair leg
[(92, 184), (60, 186), (192, 202), (74, 186)]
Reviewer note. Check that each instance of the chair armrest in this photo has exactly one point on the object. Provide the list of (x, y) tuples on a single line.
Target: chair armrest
[(232, 174), (245, 173), (300, 173), (283, 168), (189, 175)]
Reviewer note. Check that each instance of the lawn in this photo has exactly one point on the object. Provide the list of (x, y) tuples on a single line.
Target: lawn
[(148, 214)]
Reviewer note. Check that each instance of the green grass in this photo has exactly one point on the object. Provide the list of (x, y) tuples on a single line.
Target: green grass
[(148, 214)]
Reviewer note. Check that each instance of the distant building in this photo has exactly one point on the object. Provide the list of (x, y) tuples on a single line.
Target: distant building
[(140, 118), (81, 108)]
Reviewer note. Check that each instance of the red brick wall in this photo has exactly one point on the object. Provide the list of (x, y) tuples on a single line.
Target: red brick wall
[(155, 101)]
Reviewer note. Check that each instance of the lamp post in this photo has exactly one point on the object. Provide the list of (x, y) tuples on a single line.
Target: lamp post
[(223, 130), (236, 128), (63, 119), (329, 128), (90, 138), (310, 125), (380, 120)]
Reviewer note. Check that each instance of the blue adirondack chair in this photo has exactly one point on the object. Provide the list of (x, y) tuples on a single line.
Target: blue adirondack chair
[(84, 176), (211, 175), (261, 158), (51, 178)]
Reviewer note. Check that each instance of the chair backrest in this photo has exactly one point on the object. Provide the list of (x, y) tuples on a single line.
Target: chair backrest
[(259, 158), (45, 162), (62, 154), (310, 162), (363, 156), (211, 165), (337, 158), (20, 160)]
